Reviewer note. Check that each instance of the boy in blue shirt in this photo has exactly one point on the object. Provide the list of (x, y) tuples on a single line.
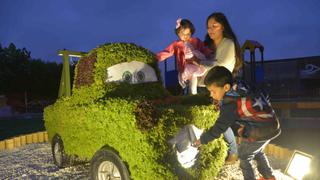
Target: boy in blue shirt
[(253, 119)]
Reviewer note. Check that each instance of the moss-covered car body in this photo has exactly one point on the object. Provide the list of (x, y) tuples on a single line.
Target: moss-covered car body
[(134, 118)]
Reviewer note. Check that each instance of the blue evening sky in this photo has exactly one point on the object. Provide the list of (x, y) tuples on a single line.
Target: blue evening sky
[(286, 28)]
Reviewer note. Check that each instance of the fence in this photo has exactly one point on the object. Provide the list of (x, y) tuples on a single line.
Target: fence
[(22, 140)]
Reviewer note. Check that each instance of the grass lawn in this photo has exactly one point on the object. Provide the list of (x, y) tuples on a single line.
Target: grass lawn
[(19, 125)]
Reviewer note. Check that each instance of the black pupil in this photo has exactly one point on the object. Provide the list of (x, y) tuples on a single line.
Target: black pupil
[(126, 76), (140, 76)]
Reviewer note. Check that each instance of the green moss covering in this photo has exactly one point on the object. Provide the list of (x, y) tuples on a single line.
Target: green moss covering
[(129, 119)]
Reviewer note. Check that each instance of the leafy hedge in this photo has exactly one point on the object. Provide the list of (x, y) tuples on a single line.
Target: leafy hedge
[(131, 120), (85, 66)]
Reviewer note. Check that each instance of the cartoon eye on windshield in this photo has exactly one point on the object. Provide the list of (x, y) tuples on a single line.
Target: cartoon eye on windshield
[(133, 72), (127, 76), (140, 76)]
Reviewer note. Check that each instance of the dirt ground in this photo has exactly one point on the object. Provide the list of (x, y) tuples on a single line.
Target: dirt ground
[(34, 161)]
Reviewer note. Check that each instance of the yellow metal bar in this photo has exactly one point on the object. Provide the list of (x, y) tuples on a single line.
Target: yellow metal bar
[(65, 85)]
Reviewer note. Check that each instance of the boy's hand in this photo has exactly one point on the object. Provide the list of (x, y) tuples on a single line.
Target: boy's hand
[(215, 104), (196, 143)]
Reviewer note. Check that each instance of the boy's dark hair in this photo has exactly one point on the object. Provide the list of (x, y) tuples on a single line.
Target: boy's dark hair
[(218, 75), (185, 23)]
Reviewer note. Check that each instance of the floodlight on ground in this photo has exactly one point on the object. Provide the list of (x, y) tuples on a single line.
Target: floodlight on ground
[(299, 165)]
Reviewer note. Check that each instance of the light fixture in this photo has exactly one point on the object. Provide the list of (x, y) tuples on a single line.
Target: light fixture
[(71, 55), (299, 165)]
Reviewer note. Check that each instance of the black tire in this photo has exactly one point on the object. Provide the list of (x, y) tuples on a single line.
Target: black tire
[(59, 156), (106, 164)]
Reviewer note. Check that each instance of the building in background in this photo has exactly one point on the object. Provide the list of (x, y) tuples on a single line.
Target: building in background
[(297, 78)]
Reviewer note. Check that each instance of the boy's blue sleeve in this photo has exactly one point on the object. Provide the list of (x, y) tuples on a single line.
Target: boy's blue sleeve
[(228, 115)]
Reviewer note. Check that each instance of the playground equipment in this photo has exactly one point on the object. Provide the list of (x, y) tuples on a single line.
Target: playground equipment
[(65, 85), (256, 70), (171, 79)]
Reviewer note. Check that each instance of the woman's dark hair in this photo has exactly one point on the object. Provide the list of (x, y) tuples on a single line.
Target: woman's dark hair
[(185, 23), (219, 76), (228, 33)]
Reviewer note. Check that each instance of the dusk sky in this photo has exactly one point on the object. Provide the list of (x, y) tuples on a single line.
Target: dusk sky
[(286, 28)]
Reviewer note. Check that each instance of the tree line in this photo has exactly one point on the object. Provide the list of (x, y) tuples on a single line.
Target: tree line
[(20, 74)]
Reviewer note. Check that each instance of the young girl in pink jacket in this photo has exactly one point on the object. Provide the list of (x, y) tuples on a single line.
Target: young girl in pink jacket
[(189, 51)]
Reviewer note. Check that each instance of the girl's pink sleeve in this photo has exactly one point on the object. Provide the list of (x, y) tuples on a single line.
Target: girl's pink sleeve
[(166, 53)]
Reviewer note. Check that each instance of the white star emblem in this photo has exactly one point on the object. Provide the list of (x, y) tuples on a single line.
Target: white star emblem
[(258, 103), (243, 89)]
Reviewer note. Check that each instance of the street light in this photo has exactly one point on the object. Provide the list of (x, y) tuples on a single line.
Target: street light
[(71, 55)]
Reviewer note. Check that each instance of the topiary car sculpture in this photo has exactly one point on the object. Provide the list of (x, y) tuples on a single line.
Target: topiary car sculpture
[(120, 118)]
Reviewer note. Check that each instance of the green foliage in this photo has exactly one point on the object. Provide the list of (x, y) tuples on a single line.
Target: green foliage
[(199, 99), (173, 118), (13, 71), (111, 54), (20, 73), (87, 128), (85, 66), (108, 55), (114, 53), (110, 115)]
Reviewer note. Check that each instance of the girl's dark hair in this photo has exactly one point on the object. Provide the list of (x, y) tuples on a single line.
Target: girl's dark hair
[(185, 23), (228, 33), (219, 76)]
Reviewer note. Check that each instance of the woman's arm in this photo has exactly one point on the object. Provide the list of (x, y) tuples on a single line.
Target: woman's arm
[(225, 54), (203, 48), (200, 50)]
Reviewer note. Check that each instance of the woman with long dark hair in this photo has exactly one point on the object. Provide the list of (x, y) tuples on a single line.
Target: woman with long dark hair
[(221, 37)]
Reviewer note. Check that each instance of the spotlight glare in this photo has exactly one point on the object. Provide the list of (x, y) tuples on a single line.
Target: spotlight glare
[(299, 165)]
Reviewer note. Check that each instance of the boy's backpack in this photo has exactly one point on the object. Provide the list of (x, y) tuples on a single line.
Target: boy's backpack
[(258, 120), (256, 107)]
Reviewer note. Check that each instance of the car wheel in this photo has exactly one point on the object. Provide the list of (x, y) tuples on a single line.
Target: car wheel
[(59, 157), (107, 165)]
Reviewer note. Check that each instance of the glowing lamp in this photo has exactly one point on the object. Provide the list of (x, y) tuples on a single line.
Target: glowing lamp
[(299, 165), (71, 55)]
